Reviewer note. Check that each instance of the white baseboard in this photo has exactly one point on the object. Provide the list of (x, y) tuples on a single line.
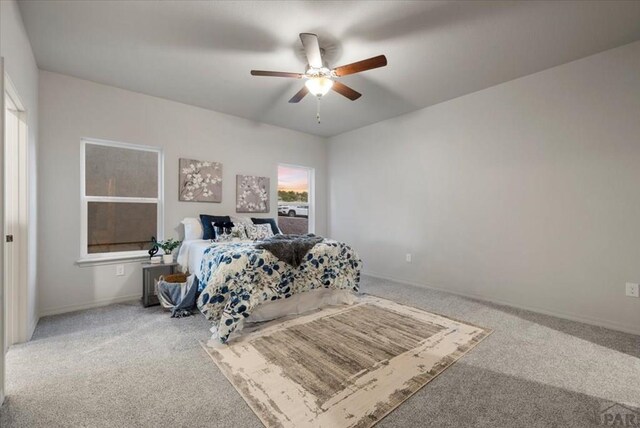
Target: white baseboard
[(568, 316), (88, 305)]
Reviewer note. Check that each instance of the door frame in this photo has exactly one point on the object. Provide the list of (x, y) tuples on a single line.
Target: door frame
[(16, 323)]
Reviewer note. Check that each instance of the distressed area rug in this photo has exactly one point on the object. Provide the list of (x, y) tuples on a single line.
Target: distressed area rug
[(342, 366)]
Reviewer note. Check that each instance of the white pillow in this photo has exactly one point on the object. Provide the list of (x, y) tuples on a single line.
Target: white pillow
[(192, 228), (258, 232)]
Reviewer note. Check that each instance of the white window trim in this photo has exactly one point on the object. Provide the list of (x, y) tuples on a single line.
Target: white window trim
[(100, 258)]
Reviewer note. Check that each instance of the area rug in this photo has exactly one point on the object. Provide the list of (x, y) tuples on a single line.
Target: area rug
[(346, 366)]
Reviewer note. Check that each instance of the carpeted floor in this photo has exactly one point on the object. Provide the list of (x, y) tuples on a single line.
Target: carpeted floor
[(126, 366)]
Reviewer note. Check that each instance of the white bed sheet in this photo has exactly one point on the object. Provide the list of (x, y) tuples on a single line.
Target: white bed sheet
[(297, 304), (300, 304), (191, 253)]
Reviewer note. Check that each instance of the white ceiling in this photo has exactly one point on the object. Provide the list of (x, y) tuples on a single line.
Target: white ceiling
[(200, 52)]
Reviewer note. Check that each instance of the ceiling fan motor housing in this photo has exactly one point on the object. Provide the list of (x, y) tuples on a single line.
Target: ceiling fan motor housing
[(311, 72)]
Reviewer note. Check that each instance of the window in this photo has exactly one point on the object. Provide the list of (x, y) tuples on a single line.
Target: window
[(295, 199), (121, 198)]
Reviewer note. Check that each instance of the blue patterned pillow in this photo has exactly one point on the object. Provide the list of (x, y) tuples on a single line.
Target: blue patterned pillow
[(258, 232), (270, 221)]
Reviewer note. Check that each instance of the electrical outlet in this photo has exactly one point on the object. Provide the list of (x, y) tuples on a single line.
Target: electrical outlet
[(632, 290), (119, 270), (408, 257)]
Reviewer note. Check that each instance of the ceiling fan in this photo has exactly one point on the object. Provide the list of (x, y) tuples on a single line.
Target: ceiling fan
[(320, 78)]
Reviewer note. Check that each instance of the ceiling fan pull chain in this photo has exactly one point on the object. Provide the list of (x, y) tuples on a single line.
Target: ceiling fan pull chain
[(318, 110)]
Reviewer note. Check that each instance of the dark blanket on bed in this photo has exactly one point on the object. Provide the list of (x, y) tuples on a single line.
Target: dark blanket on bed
[(291, 249)]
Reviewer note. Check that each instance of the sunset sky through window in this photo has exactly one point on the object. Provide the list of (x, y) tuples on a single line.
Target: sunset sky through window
[(293, 179)]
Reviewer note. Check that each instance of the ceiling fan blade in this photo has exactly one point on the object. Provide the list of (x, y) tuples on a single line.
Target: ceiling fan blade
[(346, 91), (275, 74), (299, 95), (312, 49), (364, 65)]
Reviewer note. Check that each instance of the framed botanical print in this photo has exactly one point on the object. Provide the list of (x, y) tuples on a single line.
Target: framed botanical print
[(252, 194), (200, 181)]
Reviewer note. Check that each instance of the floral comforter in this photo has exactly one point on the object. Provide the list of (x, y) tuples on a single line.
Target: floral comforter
[(237, 277)]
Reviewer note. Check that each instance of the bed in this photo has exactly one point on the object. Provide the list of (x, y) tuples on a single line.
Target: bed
[(239, 282)]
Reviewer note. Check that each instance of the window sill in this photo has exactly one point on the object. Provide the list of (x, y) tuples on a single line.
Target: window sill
[(109, 260)]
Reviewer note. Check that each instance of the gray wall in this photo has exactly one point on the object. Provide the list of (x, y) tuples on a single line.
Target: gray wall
[(526, 193), (20, 66), (71, 109)]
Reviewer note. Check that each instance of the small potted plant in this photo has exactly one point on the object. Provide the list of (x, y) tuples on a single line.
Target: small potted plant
[(168, 246)]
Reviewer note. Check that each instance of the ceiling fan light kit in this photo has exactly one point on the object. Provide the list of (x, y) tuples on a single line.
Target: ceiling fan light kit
[(320, 78), (319, 86)]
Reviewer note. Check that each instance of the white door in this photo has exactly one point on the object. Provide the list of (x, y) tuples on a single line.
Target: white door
[(14, 236), (13, 199), (11, 220), (2, 310)]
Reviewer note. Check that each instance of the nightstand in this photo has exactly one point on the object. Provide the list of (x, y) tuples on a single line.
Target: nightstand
[(150, 274)]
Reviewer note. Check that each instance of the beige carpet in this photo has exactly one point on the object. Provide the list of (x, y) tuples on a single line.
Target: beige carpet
[(342, 366)]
